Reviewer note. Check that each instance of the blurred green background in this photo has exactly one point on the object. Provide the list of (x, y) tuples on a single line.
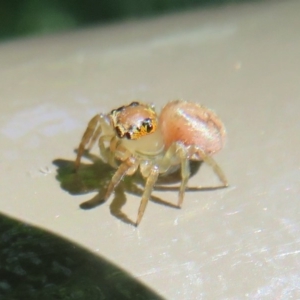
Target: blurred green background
[(28, 17)]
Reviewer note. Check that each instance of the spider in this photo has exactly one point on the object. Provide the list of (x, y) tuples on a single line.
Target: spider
[(134, 137)]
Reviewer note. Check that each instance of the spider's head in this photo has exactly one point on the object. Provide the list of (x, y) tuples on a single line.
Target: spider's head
[(134, 120)]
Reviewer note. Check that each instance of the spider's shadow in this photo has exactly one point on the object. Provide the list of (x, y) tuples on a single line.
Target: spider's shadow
[(96, 176)]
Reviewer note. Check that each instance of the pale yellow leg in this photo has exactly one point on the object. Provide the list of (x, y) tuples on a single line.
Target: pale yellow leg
[(105, 151), (147, 192), (185, 173), (120, 173), (87, 136), (177, 153), (94, 138), (211, 162)]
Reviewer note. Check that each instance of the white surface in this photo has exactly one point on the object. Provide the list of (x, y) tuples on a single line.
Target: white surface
[(243, 62)]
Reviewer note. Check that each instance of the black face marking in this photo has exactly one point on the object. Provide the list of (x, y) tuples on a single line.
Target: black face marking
[(119, 131)]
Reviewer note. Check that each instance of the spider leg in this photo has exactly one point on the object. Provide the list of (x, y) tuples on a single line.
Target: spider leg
[(181, 154), (87, 137), (185, 172), (105, 151), (127, 165), (211, 162), (177, 153), (147, 192), (94, 137)]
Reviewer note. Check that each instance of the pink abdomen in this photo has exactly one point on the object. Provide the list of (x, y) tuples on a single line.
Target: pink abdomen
[(191, 124)]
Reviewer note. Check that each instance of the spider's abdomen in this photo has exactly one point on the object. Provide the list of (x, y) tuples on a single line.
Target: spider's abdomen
[(191, 124)]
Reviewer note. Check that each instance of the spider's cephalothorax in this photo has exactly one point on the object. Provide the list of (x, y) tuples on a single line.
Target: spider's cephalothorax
[(133, 137), (134, 120)]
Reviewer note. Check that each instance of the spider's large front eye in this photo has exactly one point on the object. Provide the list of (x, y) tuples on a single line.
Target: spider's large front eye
[(147, 124), (128, 135)]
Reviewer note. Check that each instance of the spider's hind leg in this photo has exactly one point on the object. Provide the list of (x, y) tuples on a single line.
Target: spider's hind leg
[(211, 162)]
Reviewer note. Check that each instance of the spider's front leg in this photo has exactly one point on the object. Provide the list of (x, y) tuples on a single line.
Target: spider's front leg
[(127, 167), (175, 153), (90, 136), (152, 178), (108, 152)]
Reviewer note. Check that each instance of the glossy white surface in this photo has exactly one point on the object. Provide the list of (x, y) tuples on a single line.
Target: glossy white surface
[(243, 62)]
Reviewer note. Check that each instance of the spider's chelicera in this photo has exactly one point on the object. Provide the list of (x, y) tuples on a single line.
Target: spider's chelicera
[(134, 137)]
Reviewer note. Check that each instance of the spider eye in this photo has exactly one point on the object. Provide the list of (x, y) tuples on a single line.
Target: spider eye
[(134, 103), (149, 128), (128, 135), (147, 123), (114, 111)]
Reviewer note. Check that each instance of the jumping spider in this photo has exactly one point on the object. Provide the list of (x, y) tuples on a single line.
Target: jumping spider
[(134, 136)]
